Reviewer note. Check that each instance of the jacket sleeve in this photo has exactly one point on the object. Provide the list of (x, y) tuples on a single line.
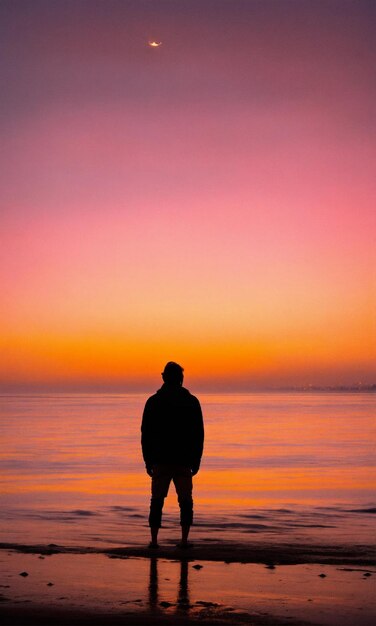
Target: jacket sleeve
[(146, 434), (198, 438)]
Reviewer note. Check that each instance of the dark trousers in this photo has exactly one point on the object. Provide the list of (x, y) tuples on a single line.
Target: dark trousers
[(160, 482)]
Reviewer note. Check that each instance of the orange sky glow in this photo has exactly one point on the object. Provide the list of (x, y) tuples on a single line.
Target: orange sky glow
[(204, 203)]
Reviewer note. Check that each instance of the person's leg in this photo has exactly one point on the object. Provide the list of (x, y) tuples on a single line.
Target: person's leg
[(159, 489), (154, 535), (185, 528), (183, 484)]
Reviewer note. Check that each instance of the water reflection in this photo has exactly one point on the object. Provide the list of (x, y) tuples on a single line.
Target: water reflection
[(182, 599), (153, 584), (183, 594)]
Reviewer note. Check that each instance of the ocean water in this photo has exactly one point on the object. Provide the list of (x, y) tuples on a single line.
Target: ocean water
[(277, 467)]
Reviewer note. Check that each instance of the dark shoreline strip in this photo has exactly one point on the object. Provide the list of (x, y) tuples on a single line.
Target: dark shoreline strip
[(266, 553)]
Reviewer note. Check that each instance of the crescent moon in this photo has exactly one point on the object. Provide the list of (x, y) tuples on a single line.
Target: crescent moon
[(154, 44)]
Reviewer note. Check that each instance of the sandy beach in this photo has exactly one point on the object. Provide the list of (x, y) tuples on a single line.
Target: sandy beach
[(260, 584)]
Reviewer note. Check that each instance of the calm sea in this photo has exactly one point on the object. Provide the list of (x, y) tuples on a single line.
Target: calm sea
[(276, 466)]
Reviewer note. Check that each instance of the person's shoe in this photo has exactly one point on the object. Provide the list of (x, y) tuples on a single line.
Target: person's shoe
[(153, 545), (184, 545)]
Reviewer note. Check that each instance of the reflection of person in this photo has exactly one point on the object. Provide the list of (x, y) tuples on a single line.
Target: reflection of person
[(153, 584), (172, 443), (183, 601), (183, 595)]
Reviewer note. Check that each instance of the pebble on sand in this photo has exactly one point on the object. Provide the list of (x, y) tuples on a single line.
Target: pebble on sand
[(24, 574), (322, 575), (197, 566)]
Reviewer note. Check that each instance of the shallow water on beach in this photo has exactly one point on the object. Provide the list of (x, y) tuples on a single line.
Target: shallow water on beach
[(235, 593), (278, 466)]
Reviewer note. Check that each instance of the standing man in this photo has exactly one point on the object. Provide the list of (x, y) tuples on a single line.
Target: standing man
[(172, 443)]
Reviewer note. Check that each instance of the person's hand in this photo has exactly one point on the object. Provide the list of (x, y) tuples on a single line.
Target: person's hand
[(149, 470)]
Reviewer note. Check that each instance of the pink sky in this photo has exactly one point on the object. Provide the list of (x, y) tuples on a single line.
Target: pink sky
[(210, 201)]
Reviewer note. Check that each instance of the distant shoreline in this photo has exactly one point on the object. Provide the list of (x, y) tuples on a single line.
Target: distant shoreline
[(366, 389)]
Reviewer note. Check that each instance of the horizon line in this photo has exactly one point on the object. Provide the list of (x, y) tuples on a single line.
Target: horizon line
[(97, 389)]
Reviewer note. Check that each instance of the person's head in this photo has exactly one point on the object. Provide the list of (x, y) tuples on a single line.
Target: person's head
[(173, 374)]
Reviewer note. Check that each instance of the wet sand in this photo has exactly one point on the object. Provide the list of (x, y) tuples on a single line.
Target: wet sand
[(234, 584), (257, 552)]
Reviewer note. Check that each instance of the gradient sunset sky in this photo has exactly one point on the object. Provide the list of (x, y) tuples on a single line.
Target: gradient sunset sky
[(209, 201)]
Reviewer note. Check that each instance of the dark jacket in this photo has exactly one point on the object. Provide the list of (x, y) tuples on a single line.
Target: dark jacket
[(172, 428)]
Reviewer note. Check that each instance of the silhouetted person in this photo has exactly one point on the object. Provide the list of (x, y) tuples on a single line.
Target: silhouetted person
[(172, 443)]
